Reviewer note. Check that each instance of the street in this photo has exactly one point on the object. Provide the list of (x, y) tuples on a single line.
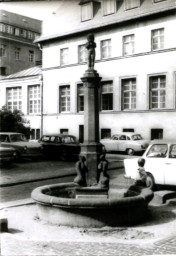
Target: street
[(30, 174)]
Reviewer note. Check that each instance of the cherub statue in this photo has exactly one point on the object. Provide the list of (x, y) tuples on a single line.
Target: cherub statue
[(91, 45), (103, 177), (81, 170)]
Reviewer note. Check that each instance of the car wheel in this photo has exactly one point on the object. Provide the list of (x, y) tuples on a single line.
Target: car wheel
[(18, 156), (130, 151), (63, 156), (150, 182)]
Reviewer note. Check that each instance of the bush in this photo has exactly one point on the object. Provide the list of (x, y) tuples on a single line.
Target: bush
[(13, 122)]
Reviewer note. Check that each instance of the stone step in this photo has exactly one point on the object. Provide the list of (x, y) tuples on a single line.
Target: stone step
[(160, 197)]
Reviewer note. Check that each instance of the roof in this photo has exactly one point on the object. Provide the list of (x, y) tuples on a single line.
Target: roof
[(20, 21), (69, 14), (34, 71)]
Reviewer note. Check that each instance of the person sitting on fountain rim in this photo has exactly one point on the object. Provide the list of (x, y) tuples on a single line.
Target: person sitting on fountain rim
[(142, 175)]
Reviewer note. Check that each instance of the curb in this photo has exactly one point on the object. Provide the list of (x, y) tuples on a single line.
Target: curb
[(16, 203)]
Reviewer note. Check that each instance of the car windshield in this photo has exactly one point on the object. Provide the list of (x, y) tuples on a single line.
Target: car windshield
[(137, 137), (158, 150), (17, 137)]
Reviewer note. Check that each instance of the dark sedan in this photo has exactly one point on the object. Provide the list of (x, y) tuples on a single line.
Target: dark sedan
[(60, 146)]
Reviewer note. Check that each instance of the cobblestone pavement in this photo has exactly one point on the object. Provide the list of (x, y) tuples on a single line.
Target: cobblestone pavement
[(19, 247)]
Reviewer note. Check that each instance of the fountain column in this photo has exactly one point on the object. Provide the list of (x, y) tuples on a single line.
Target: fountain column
[(91, 147)]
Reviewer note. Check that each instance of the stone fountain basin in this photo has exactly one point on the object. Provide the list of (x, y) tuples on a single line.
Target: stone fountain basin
[(56, 204)]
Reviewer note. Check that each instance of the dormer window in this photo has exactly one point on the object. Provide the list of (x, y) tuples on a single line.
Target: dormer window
[(109, 7), (131, 4), (88, 9), (86, 12)]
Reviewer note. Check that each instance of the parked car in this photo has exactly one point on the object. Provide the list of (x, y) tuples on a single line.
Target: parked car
[(19, 142), (127, 142), (64, 147), (7, 154), (160, 164)]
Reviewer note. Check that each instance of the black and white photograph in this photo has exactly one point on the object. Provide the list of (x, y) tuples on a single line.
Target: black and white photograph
[(88, 128)]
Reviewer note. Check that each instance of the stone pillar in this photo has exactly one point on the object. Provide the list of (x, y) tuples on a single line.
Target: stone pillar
[(91, 148)]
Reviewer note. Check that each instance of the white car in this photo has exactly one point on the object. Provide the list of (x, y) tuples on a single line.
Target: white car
[(127, 142), (160, 164)]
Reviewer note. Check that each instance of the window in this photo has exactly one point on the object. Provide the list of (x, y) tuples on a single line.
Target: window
[(158, 150), (157, 39), (65, 99), (156, 134), (157, 92), (14, 99), (105, 133), (82, 53), (172, 153), (128, 130), (106, 49), (107, 96), (2, 27), (2, 50), (86, 12), (80, 97), (109, 7), (64, 131), (9, 29), (17, 31), (131, 4), (64, 56), (35, 134), (17, 53), (34, 99), (128, 45), (2, 71), (31, 56), (129, 93), (23, 33), (30, 35)]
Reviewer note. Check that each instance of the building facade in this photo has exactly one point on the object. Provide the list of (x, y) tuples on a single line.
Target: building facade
[(17, 48), (135, 56), (23, 91)]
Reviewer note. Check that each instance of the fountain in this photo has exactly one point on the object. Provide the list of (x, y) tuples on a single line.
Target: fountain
[(86, 202)]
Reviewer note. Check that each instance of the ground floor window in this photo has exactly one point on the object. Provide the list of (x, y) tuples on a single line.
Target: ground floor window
[(35, 134), (105, 133), (81, 133), (128, 130), (107, 96), (64, 131), (14, 98), (34, 99), (129, 94), (156, 134), (65, 99)]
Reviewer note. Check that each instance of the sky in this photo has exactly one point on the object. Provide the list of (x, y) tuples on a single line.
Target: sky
[(34, 9)]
